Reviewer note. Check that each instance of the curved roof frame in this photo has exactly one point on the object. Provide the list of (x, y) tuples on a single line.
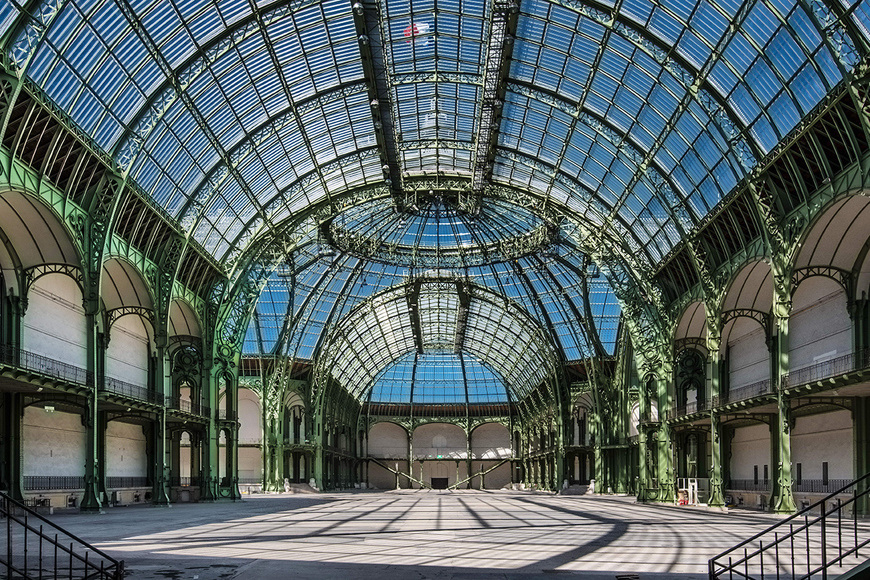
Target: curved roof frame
[(617, 263), (613, 16), (308, 295), (348, 345)]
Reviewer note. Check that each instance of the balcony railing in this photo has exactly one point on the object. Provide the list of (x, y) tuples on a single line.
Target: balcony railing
[(824, 370), (687, 409), (756, 389), (118, 482), (749, 485), (187, 406), (46, 482), (825, 486), (45, 366), (184, 481), (223, 414), (125, 389)]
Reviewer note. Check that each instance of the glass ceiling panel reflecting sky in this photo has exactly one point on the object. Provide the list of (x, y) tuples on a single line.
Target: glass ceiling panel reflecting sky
[(549, 287), (653, 115), (433, 316), (239, 116), (438, 377)]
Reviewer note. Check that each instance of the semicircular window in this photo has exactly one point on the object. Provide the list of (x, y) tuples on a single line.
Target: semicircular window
[(437, 377)]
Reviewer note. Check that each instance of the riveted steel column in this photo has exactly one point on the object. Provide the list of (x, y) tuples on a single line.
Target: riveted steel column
[(782, 498)]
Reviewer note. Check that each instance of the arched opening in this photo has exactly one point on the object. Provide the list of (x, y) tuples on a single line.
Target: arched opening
[(388, 454), (820, 329), (490, 450), (441, 444), (690, 370), (131, 364), (54, 325), (250, 436)]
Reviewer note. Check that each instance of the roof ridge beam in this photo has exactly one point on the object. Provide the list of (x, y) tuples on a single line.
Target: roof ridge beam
[(367, 20), (500, 48)]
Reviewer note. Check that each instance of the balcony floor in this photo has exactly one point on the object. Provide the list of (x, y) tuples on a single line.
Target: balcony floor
[(415, 534)]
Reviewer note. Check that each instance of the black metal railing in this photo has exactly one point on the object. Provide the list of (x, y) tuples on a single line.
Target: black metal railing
[(37, 548), (756, 389), (224, 414), (46, 482), (687, 409), (191, 407), (125, 389), (804, 545), (180, 404), (184, 481), (44, 365), (117, 481), (841, 365), (748, 484), (819, 485)]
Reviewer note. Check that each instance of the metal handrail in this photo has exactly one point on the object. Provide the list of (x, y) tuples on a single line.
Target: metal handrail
[(756, 389), (46, 482), (687, 409), (748, 484), (841, 365), (718, 567), (123, 388), (122, 481), (44, 365), (186, 406), (18, 559)]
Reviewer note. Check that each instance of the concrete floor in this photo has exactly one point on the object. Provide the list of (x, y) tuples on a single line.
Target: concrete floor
[(414, 534)]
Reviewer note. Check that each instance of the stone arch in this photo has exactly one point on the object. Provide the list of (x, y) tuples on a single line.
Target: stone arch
[(838, 239), (37, 233), (746, 327)]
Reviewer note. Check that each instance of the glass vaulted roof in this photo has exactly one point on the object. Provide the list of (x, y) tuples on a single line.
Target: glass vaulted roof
[(438, 377), (441, 318), (435, 232), (236, 116), (408, 136), (557, 287)]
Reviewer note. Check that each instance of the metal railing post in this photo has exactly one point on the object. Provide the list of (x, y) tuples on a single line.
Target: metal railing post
[(824, 543)]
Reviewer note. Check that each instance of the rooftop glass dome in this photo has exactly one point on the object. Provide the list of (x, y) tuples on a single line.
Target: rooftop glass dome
[(435, 232)]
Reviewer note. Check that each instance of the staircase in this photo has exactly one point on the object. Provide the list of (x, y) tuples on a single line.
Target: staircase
[(828, 537), (35, 548)]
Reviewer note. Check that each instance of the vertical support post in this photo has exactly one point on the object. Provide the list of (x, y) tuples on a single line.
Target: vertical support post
[(159, 494), (861, 446), (783, 500), (175, 459), (717, 494), (102, 428), (159, 448), (90, 499), (666, 474), (210, 438), (12, 413), (468, 466)]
